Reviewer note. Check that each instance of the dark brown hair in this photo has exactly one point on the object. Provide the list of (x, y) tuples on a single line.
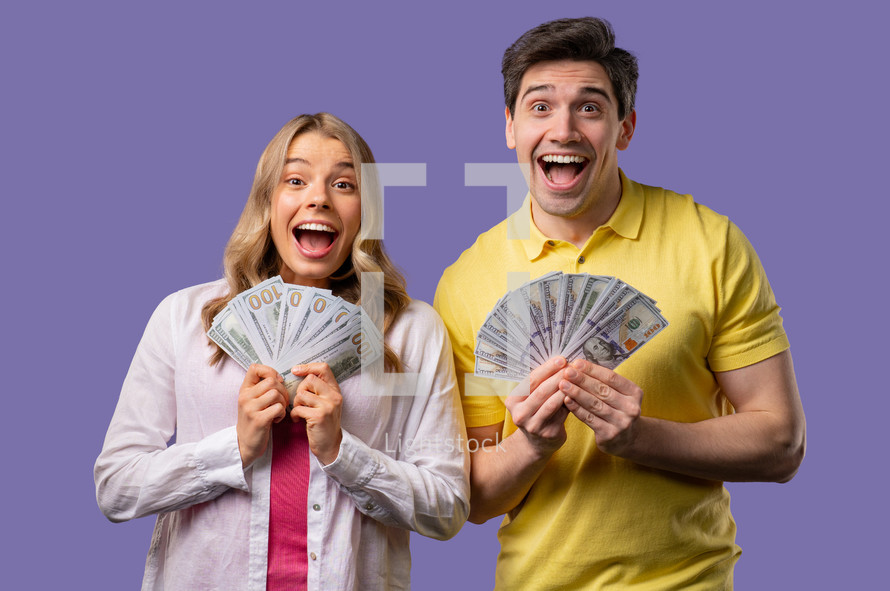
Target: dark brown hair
[(579, 39)]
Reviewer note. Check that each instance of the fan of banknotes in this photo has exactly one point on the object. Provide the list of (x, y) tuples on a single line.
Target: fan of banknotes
[(283, 325), (602, 319)]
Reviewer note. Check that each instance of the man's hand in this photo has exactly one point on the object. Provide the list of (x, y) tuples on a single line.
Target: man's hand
[(262, 400), (605, 401), (538, 414), (764, 439), (318, 401), (502, 474)]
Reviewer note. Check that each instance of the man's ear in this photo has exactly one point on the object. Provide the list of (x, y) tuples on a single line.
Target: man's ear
[(508, 132), (627, 130)]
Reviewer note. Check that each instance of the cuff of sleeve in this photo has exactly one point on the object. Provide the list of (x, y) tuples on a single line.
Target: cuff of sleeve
[(751, 356), (219, 461), (355, 465)]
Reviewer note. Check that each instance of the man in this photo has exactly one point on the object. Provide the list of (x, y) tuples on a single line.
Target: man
[(615, 480)]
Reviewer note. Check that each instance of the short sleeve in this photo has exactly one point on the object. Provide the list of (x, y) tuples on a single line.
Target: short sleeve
[(748, 327), (480, 397)]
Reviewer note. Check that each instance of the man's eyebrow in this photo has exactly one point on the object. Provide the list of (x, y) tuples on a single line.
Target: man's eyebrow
[(596, 90), (586, 90)]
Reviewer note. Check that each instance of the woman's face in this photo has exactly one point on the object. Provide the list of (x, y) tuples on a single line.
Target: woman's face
[(316, 209)]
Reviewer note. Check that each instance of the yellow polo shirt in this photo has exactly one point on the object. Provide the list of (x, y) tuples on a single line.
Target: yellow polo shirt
[(592, 520)]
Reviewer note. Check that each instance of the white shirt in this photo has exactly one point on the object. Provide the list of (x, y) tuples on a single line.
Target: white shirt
[(402, 463)]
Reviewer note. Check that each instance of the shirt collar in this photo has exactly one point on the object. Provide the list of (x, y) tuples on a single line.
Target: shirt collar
[(625, 220)]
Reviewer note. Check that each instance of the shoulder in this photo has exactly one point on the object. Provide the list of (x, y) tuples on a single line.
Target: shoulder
[(198, 295), (418, 318), (679, 219), (416, 333), (184, 306), (479, 255), (679, 205)]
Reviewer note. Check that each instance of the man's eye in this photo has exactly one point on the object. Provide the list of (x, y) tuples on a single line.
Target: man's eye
[(539, 107), (590, 108)]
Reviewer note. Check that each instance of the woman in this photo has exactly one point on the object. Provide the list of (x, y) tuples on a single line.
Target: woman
[(251, 496)]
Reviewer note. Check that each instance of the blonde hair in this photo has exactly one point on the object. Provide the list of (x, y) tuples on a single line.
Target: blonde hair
[(250, 256)]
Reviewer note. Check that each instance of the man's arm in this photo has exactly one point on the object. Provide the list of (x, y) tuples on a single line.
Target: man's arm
[(502, 471), (764, 440)]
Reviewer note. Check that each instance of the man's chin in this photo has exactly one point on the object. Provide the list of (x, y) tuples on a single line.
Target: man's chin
[(563, 206)]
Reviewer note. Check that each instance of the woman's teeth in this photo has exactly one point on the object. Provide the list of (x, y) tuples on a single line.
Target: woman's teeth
[(316, 227)]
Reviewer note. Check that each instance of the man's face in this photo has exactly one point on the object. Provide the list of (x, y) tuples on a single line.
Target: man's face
[(565, 126)]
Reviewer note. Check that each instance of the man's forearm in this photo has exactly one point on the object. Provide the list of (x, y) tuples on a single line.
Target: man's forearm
[(501, 475), (747, 446)]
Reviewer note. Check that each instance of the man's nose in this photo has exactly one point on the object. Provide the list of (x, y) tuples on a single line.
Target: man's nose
[(564, 129)]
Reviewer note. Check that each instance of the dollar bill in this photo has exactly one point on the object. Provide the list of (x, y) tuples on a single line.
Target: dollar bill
[(576, 315), (283, 325)]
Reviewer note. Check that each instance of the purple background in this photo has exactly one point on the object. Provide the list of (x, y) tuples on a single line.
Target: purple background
[(129, 139)]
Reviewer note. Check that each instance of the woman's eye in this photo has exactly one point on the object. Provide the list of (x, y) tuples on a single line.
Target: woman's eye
[(295, 182), (343, 185)]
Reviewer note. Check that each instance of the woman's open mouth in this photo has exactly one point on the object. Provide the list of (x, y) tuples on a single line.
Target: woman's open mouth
[(315, 240)]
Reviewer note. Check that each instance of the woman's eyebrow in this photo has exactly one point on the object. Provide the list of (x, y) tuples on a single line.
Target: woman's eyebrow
[(344, 164)]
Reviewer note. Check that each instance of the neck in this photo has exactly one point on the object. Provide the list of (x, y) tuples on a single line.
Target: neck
[(578, 228)]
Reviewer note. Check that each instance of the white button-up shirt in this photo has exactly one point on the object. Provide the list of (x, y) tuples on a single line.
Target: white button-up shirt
[(402, 463)]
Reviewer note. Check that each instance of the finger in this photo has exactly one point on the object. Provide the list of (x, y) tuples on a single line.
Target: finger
[(540, 382), (606, 391), (580, 402), (270, 414), (545, 371), (265, 400), (306, 413), (318, 368), (552, 410), (613, 380), (258, 372), (320, 388), (586, 416), (541, 408), (266, 385), (308, 399)]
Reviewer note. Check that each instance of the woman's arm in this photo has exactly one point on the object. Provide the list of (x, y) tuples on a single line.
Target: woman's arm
[(137, 473)]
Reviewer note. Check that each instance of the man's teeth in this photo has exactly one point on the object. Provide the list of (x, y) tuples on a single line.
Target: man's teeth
[(557, 159), (316, 227)]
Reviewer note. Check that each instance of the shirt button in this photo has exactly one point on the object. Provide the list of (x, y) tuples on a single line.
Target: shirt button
[(580, 259), (313, 556), (551, 243), (316, 507)]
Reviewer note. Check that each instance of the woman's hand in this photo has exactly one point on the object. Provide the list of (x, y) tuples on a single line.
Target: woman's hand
[(262, 400), (318, 401)]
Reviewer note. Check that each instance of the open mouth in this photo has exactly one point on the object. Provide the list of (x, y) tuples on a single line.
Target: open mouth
[(315, 238), (562, 169)]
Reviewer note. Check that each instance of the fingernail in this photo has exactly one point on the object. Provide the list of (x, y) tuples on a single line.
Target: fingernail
[(560, 361), (571, 373)]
